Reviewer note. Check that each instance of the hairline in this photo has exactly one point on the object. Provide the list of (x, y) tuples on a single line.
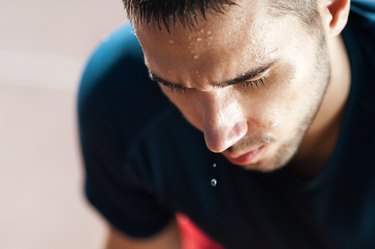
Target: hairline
[(306, 11)]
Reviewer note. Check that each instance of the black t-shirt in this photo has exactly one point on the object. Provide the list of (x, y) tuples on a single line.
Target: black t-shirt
[(144, 162)]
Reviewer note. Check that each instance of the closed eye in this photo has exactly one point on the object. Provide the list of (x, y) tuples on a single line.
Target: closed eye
[(254, 83), (246, 79), (174, 87)]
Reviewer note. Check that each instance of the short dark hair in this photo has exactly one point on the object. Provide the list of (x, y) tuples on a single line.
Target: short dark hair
[(164, 12)]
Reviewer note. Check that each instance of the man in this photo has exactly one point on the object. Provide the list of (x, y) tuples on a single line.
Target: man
[(266, 136)]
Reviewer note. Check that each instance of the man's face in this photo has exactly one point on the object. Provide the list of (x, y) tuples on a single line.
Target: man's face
[(251, 83)]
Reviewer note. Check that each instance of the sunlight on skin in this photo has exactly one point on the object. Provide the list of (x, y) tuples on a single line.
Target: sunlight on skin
[(239, 119)]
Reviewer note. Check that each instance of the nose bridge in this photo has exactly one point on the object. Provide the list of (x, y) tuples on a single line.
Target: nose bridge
[(223, 121), (215, 105)]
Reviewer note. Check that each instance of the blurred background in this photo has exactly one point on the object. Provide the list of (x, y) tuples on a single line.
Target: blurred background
[(44, 45)]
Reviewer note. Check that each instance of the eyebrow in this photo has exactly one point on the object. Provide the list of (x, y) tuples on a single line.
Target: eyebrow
[(243, 77)]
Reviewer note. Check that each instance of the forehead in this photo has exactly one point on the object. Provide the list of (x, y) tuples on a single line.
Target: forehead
[(237, 19), (230, 39)]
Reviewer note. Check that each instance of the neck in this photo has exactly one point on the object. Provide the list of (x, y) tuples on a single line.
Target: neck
[(320, 140)]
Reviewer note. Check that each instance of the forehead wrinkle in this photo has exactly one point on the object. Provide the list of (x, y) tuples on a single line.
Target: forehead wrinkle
[(216, 63), (213, 70), (241, 78)]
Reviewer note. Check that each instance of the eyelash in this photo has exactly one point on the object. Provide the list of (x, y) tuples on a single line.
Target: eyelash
[(176, 89), (247, 84), (254, 83)]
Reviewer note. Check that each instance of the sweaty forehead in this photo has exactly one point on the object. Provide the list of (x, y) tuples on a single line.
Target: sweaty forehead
[(237, 19), (223, 42)]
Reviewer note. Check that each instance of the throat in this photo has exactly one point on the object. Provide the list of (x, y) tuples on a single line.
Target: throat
[(320, 140), (314, 153)]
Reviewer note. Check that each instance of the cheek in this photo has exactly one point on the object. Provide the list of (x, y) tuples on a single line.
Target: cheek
[(276, 108)]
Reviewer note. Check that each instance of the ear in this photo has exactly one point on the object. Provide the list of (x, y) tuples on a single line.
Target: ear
[(335, 15)]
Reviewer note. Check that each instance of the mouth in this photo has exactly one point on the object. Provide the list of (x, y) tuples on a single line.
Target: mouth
[(246, 158)]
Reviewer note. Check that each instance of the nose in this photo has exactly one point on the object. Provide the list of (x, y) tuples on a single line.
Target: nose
[(223, 121)]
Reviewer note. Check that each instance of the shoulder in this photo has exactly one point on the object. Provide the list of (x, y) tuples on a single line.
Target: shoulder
[(359, 37), (362, 14), (116, 97), (367, 7)]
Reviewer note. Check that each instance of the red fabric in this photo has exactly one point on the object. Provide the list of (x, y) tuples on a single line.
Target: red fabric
[(192, 236)]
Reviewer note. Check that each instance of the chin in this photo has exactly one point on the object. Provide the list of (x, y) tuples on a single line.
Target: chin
[(262, 167), (270, 163)]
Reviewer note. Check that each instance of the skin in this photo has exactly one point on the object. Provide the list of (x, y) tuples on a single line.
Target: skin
[(301, 100), (296, 115)]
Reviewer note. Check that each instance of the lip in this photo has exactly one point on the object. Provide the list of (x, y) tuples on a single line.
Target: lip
[(245, 158)]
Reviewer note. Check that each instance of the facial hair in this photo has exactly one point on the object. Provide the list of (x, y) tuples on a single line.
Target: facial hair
[(288, 149)]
